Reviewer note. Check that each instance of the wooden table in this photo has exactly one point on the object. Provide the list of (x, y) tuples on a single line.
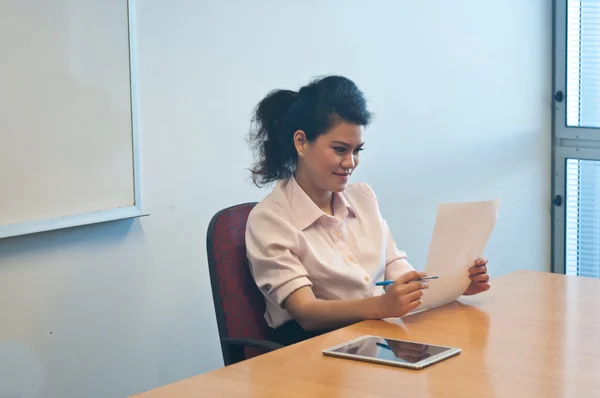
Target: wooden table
[(532, 335)]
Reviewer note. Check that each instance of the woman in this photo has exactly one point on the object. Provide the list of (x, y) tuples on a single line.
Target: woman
[(317, 244)]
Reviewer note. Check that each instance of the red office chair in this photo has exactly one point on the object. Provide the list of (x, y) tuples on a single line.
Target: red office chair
[(239, 305)]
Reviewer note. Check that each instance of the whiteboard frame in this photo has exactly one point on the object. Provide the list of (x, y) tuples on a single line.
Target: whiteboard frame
[(96, 217)]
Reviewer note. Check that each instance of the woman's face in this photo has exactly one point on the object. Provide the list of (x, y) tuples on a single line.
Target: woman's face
[(327, 162)]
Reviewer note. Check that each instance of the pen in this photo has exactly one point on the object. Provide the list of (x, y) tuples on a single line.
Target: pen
[(387, 283)]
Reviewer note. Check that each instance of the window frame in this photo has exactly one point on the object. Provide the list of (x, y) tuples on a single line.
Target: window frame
[(561, 130), (559, 217), (567, 142)]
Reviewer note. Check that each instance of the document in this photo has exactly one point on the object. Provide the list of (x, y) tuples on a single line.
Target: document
[(460, 235)]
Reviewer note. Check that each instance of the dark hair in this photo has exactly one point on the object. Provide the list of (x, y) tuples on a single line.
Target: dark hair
[(315, 109)]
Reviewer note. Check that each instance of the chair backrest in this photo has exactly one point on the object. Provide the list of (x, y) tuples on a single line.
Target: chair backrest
[(239, 305)]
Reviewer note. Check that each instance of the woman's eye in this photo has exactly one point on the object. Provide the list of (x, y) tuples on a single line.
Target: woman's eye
[(339, 149)]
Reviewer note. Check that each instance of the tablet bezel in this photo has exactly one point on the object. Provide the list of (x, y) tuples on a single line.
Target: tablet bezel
[(450, 352)]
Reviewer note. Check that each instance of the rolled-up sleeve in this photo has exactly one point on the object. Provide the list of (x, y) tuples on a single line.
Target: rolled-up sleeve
[(396, 262), (273, 246)]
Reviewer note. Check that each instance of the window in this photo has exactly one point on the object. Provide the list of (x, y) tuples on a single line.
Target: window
[(583, 63), (577, 138), (582, 207)]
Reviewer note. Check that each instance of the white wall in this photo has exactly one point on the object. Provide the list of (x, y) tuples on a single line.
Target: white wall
[(461, 94)]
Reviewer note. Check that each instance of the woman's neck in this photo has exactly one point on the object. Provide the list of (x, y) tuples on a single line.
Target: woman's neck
[(323, 199)]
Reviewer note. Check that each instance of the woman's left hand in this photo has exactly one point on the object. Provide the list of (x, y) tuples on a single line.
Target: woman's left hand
[(480, 280)]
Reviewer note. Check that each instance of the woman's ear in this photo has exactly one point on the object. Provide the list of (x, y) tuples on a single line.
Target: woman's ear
[(300, 142)]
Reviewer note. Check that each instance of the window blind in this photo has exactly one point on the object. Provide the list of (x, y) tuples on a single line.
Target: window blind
[(583, 63), (582, 221)]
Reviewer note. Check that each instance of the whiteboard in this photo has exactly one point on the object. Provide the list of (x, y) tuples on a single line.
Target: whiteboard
[(68, 131)]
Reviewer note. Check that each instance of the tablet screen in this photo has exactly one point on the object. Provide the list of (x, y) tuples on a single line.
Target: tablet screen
[(391, 350)]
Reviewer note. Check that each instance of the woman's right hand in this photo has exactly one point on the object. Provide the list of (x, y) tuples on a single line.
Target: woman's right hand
[(404, 295)]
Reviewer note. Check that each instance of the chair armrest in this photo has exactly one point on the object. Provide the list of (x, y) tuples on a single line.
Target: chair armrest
[(234, 348), (266, 344)]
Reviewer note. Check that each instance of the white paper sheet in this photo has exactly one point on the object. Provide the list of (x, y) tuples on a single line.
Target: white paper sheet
[(460, 235)]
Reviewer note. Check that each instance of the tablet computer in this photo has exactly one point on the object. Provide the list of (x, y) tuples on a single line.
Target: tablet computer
[(406, 354)]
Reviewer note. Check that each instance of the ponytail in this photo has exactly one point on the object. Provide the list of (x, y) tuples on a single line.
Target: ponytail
[(274, 147)]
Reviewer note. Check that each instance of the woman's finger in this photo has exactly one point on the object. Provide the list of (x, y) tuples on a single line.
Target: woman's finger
[(478, 269), (480, 278), (414, 296), (481, 261), (483, 286)]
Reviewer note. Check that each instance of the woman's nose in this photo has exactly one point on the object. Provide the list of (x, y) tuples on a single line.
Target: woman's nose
[(349, 162)]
